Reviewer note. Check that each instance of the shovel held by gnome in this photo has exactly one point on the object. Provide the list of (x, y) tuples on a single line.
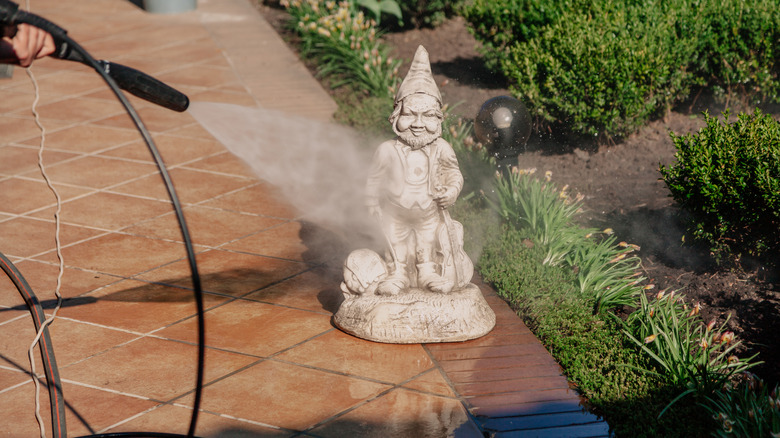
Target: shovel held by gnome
[(456, 264)]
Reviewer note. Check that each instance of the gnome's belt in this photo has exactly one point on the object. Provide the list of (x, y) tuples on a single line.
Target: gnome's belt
[(413, 214)]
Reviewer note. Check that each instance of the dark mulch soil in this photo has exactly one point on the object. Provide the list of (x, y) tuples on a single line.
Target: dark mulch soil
[(620, 181)]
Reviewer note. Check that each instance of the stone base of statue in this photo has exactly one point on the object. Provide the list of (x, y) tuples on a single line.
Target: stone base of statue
[(417, 316)]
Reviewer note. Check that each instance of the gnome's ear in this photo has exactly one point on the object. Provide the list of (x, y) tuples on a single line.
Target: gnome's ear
[(419, 79), (396, 113)]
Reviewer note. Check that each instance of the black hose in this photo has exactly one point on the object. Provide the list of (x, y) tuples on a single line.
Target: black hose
[(182, 225), (51, 371), (12, 15)]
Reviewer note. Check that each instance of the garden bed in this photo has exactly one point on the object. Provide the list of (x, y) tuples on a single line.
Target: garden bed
[(622, 190)]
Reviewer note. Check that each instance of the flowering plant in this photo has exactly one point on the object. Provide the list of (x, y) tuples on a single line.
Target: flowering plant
[(692, 354), (345, 44), (746, 408), (604, 270)]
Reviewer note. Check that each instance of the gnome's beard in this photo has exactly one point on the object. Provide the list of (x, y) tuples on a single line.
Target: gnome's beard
[(418, 141)]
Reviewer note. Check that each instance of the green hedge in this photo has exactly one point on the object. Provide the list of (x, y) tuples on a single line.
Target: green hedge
[(500, 24), (728, 177), (428, 13), (607, 75), (738, 46), (608, 66)]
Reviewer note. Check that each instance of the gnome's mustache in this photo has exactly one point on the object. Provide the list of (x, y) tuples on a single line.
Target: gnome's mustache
[(417, 142)]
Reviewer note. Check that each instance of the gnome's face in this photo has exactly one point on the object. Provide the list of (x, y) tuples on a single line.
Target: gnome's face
[(419, 122), (417, 116)]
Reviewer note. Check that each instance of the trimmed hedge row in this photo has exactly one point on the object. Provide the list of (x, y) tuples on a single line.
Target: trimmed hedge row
[(428, 13), (608, 66)]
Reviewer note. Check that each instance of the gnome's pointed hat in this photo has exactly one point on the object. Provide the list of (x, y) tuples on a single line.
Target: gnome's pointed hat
[(419, 79)]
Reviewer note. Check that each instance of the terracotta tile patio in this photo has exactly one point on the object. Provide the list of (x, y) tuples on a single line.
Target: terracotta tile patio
[(125, 338)]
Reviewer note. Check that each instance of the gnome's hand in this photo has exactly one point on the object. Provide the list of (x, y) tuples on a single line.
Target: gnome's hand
[(446, 198)]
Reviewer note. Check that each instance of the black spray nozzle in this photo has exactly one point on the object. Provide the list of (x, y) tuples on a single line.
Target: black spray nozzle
[(146, 87), (131, 80)]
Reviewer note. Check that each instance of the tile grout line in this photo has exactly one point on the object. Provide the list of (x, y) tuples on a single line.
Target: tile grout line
[(109, 390), (449, 381), (18, 385), (131, 418)]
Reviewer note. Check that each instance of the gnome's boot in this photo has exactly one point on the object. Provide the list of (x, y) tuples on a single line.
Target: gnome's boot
[(395, 282), (427, 278)]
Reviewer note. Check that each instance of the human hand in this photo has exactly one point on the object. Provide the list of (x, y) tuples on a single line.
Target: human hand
[(24, 43)]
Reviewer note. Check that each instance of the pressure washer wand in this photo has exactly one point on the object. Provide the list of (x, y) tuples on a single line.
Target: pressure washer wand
[(129, 79)]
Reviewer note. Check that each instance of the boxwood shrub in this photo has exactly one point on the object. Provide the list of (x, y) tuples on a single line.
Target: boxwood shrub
[(603, 73), (500, 24), (737, 47), (727, 176), (607, 66), (427, 13)]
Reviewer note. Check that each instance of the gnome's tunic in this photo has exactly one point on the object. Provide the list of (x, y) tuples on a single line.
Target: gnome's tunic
[(393, 178), (403, 182)]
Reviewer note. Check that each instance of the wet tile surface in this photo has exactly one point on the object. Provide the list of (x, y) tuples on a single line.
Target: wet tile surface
[(176, 419), (253, 328), (125, 337), (340, 352), (403, 413), (291, 396), (432, 381)]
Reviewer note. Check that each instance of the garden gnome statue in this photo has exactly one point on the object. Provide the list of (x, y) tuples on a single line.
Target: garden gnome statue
[(421, 290)]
